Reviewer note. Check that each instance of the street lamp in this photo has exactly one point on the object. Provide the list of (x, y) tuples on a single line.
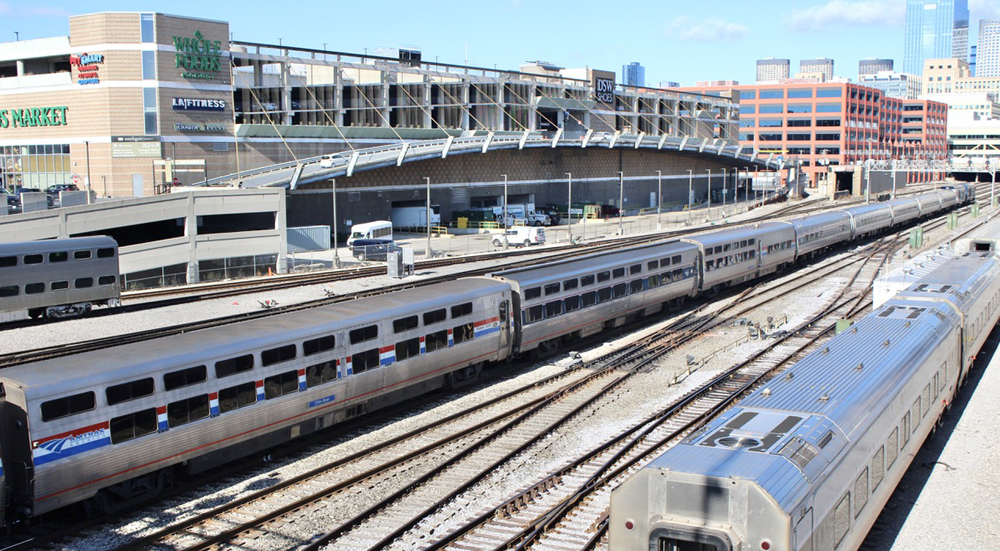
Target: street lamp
[(569, 207), (87, 143), (709, 170), (505, 212), (336, 257), (659, 199), (725, 176), (621, 202), (430, 253), (690, 181)]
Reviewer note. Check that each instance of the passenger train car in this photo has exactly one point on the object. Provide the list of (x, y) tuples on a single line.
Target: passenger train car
[(59, 278), (127, 420), (808, 461)]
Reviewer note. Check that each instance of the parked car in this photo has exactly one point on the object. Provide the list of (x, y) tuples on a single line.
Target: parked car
[(552, 211), (373, 249), (609, 211), (326, 161), (54, 190), (521, 236)]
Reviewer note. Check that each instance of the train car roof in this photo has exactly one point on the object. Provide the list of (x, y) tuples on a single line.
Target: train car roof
[(130, 361), (820, 218), (576, 267), (50, 245), (739, 233), (957, 282)]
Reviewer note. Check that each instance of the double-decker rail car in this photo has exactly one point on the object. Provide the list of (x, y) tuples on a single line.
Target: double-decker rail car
[(904, 210), (733, 256), (869, 219), (818, 232), (808, 460), (131, 418), (59, 278)]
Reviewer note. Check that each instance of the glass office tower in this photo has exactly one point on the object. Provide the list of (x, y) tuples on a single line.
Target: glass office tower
[(935, 29)]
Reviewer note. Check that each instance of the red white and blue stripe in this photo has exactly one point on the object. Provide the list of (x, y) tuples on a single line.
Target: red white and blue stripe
[(387, 355), (161, 419), (213, 404), (487, 326)]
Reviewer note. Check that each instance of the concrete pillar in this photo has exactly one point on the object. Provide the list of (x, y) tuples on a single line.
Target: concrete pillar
[(20, 68), (191, 232)]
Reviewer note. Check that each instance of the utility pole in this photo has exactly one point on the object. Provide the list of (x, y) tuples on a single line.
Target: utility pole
[(709, 170), (690, 181), (621, 202), (569, 207), (429, 252), (505, 212), (659, 200), (336, 257)]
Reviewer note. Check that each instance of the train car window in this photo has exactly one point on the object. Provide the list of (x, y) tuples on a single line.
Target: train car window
[(654, 281), (905, 428), (753, 254), (676, 259), (460, 310), (105, 253), (68, 405), (322, 344), (60, 256), (620, 290), (34, 288), (131, 390), (533, 292), (571, 304), (551, 288), (727, 246), (321, 373), (407, 349), (891, 448), (107, 280), (8, 261), (33, 259), (751, 241), (604, 295), (603, 276), (860, 492), (83, 282), (405, 324), (634, 269), (132, 426), (709, 265), (533, 314), (436, 341), (553, 309), (185, 377), (842, 519), (664, 262), (82, 255), (185, 411), (586, 280), (915, 414), (59, 285), (277, 355), (503, 310), (589, 298), (743, 243), (364, 361), (927, 399), (618, 272), (432, 317), (878, 467), (464, 332), (570, 284), (652, 265), (232, 366), (937, 385), (370, 332), (236, 397), (635, 286), (281, 384)]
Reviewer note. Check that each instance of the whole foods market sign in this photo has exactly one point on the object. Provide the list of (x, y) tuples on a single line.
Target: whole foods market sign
[(198, 57), (33, 116)]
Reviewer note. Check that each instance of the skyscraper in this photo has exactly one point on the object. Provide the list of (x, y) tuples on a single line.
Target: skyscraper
[(822, 65), (935, 29), (872, 66), (772, 69), (633, 74), (988, 49)]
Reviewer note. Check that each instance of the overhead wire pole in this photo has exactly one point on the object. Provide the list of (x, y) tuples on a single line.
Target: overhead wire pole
[(709, 170), (569, 207), (505, 212), (621, 202), (430, 253), (690, 182), (659, 200)]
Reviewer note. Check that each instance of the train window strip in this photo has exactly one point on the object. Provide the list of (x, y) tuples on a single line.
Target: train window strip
[(437, 340), (878, 467), (34, 288), (464, 309), (370, 332), (132, 426), (33, 259), (9, 291), (107, 280), (926, 400), (571, 304), (82, 255), (570, 284), (553, 309), (365, 361), (905, 429), (59, 285), (8, 261), (915, 414), (281, 384), (586, 280), (860, 492), (232, 366), (532, 293), (68, 405), (652, 265), (83, 282), (551, 288), (434, 316), (603, 276), (635, 269), (277, 355), (185, 377), (891, 448), (842, 519), (466, 332), (236, 397), (131, 390), (60, 256), (407, 349), (320, 373), (106, 253), (187, 410), (321, 344)]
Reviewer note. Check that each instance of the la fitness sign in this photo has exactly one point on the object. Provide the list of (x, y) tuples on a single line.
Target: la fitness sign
[(33, 116), (198, 57)]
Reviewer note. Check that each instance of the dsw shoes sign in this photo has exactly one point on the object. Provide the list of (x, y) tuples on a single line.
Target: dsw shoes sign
[(198, 56)]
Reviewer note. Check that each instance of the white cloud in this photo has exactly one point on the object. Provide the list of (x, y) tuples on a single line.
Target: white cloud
[(708, 30), (32, 11), (876, 13), (983, 9)]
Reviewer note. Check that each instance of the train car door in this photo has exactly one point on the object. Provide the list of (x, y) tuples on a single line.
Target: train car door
[(803, 532), (504, 314)]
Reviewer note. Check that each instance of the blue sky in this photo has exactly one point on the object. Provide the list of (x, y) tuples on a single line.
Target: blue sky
[(683, 41)]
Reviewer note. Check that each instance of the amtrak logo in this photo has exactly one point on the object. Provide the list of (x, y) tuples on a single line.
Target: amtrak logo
[(67, 443)]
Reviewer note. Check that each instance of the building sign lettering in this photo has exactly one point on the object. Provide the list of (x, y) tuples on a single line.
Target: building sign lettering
[(86, 67), (191, 104), (33, 116), (604, 90), (197, 56), (189, 127)]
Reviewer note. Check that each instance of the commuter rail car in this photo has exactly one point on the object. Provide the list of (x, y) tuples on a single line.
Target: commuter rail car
[(808, 461), (59, 278), (128, 420)]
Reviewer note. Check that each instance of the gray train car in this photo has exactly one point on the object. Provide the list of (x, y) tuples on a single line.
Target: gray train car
[(127, 419), (818, 232), (734, 256), (807, 461), (59, 277), (869, 219), (930, 204), (904, 210), (577, 298)]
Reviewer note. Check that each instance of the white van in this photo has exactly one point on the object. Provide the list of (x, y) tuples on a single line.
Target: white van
[(379, 229), (521, 236)]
